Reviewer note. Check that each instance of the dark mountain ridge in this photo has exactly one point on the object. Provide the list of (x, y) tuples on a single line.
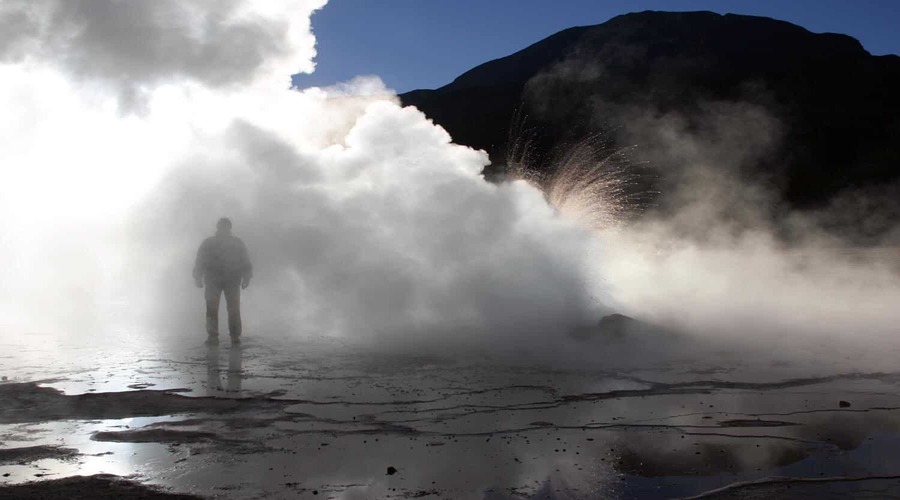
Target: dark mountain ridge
[(831, 110)]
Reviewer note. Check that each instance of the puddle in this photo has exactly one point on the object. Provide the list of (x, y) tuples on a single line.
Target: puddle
[(276, 419), (89, 456)]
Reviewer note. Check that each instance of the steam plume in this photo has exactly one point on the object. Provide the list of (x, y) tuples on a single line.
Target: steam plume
[(145, 124)]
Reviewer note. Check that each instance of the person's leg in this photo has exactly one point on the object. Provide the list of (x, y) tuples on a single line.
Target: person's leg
[(233, 301), (212, 294)]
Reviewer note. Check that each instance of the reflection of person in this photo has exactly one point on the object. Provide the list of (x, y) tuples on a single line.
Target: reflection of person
[(213, 372), (235, 360), (224, 266), (213, 381)]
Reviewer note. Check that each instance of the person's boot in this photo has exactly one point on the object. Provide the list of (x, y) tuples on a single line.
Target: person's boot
[(235, 340), (212, 340)]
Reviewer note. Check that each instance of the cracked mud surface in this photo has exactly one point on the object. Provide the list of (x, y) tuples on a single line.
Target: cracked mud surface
[(322, 419)]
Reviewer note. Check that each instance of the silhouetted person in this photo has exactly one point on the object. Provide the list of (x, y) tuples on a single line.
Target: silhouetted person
[(224, 266)]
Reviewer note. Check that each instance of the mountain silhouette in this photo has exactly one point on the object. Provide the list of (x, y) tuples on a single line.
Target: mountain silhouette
[(829, 110)]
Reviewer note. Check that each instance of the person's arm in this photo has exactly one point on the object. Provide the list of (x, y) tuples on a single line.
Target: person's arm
[(200, 265), (246, 267)]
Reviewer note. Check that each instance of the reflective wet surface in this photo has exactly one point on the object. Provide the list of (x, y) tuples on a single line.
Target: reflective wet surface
[(283, 417)]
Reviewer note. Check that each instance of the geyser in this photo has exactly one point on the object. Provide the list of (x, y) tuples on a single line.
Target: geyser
[(590, 181), (362, 217)]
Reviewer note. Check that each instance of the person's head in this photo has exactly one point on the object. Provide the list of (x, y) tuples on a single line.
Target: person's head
[(224, 225)]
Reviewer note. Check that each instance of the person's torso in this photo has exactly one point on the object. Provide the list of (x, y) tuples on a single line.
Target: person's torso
[(225, 256)]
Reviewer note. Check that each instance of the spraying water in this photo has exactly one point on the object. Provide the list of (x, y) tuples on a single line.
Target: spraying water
[(589, 181)]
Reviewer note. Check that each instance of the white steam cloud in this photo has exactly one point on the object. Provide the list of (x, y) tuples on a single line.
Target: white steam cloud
[(723, 258), (133, 126), (132, 48)]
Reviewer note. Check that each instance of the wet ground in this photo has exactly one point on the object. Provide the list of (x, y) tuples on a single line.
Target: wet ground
[(281, 418)]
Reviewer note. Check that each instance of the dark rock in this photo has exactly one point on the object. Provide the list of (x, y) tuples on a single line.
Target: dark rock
[(90, 487), (619, 326), (391, 470), (754, 423), (843, 404), (422, 493), (27, 402), (153, 436), (29, 454), (616, 325)]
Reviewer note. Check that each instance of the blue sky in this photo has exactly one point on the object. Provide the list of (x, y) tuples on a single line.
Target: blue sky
[(414, 44)]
